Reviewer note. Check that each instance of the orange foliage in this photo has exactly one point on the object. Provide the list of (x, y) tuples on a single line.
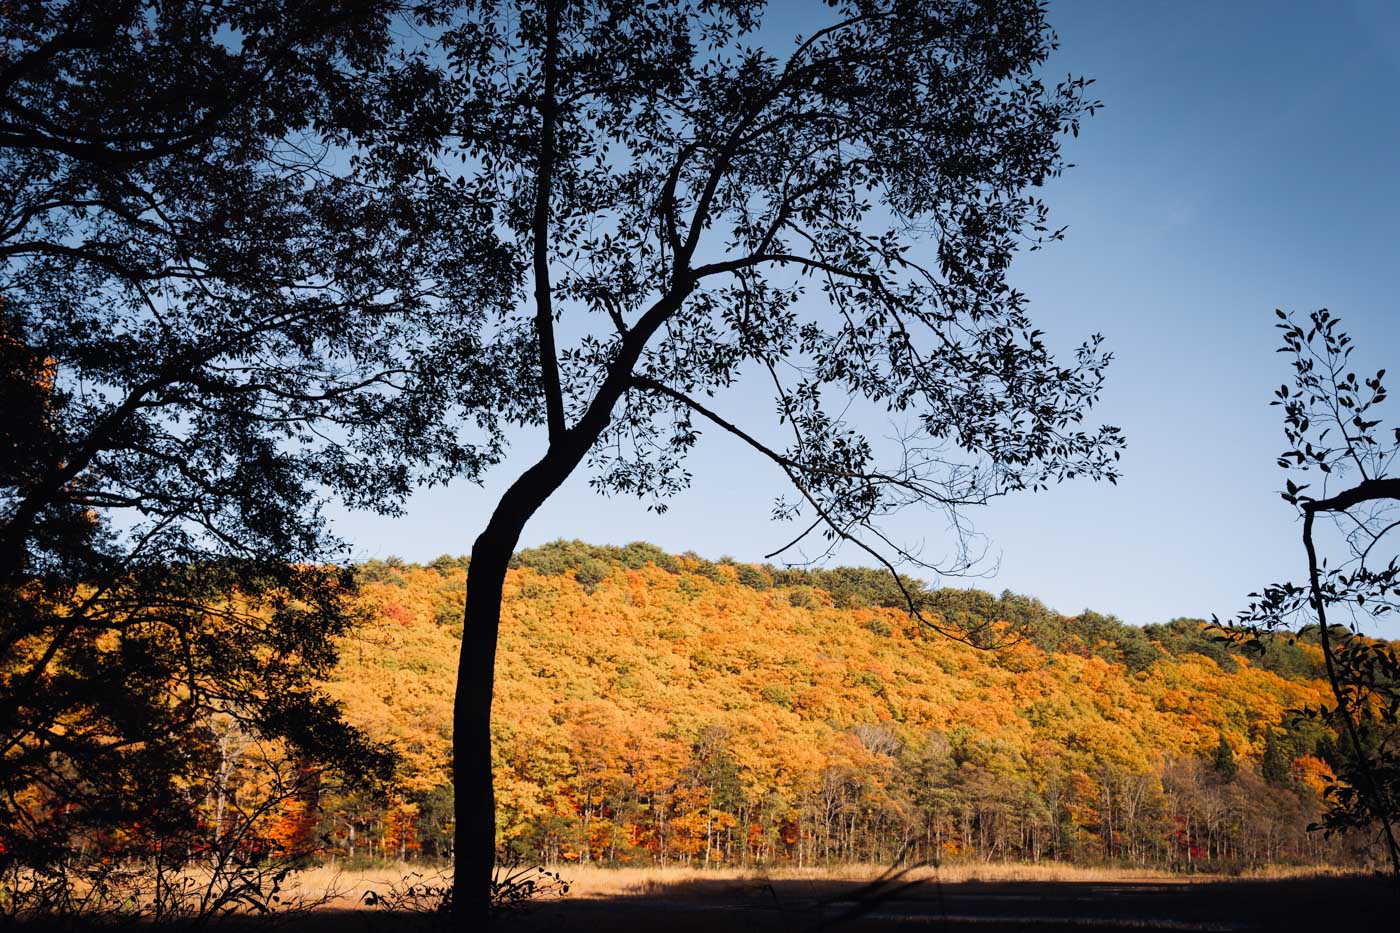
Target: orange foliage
[(604, 690)]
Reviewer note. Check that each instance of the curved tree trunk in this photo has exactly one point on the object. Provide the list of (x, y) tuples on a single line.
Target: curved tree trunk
[(475, 798)]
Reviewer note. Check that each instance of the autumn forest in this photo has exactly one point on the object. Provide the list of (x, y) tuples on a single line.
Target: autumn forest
[(661, 709)]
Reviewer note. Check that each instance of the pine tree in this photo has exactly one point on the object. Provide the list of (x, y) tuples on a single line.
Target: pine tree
[(1225, 764), (1275, 764)]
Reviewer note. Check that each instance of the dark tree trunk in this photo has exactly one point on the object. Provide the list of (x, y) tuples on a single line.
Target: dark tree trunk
[(475, 797)]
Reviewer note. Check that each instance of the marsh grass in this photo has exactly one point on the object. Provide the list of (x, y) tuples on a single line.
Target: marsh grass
[(592, 881), (346, 889)]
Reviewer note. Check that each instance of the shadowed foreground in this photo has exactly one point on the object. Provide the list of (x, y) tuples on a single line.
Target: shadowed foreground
[(1349, 904), (1312, 904)]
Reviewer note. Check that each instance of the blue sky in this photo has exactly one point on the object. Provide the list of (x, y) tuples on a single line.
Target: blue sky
[(1248, 158)]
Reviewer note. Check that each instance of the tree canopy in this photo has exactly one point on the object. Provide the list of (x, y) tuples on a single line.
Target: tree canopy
[(210, 322), (691, 202)]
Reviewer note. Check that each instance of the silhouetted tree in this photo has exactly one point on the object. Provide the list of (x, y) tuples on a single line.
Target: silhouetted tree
[(1334, 436), (833, 217), (210, 316)]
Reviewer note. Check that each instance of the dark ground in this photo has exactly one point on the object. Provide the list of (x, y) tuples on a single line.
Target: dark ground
[(1347, 905), (1326, 905)]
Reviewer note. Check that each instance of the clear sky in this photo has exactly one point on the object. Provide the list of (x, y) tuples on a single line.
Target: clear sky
[(1248, 158)]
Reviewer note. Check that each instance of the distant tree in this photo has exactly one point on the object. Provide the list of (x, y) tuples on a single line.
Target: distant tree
[(1335, 438), (1192, 636), (590, 573), (753, 577), (1135, 649), (686, 208), (1224, 760), (1274, 765)]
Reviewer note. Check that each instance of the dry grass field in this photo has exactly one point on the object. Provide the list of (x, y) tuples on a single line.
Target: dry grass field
[(344, 888), (591, 881)]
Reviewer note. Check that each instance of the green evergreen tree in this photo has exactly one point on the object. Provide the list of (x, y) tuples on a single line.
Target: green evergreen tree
[(1225, 764), (1275, 764)]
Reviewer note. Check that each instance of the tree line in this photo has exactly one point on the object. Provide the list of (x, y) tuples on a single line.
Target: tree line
[(784, 722)]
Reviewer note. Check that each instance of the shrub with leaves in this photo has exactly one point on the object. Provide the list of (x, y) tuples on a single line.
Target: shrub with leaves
[(1336, 440)]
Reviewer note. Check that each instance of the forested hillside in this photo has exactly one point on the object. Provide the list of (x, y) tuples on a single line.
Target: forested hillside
[(655, 708)]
